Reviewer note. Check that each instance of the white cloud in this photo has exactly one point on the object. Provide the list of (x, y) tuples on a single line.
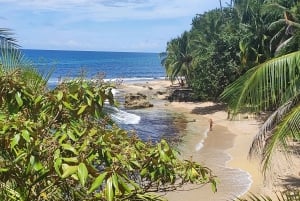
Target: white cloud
[(104, 10), (100, 24)]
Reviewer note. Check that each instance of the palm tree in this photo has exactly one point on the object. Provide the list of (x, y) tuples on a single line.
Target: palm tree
[(254, 48), (178, 59), (12, 60), (286, 28), (274, 84)]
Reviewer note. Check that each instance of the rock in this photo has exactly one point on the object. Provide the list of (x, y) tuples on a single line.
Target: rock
[(136, 101), (181, 95)]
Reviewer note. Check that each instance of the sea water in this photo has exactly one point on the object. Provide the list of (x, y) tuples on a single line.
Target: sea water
[(115, 65)]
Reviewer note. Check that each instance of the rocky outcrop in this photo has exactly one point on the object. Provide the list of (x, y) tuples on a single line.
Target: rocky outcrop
[(181, 95), (136, 101)]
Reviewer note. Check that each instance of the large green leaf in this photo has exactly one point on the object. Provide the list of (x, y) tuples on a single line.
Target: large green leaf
[(82, 173)]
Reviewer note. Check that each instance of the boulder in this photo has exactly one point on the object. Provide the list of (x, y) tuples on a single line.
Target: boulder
[(136, 101), (181, 95)]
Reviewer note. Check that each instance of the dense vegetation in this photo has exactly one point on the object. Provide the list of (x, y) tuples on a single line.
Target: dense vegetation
[(224, 43), (60, 144), (248, 54)]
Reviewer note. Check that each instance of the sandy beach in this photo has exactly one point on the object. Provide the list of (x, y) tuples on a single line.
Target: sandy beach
[(224, 149)]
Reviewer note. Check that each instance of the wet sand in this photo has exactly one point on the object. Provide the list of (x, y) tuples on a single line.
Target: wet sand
[(224, 149)]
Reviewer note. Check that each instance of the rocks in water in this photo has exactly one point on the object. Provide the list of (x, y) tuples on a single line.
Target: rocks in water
[(136, 101)]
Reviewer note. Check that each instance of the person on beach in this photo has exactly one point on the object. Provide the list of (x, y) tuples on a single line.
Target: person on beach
[(210, 124)]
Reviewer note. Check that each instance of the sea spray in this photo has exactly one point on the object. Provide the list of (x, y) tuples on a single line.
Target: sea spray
[(201, 143), (121, 116)]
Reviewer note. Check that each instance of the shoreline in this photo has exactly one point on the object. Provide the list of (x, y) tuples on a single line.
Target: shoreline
[(238, 136)]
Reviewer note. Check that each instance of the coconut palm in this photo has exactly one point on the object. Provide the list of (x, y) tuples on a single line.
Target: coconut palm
[(12, 60), (254, 48), (285, 28), (178, 59), (274, 84)]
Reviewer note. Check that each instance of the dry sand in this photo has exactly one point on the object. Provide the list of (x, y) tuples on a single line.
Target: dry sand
[(225, 148)]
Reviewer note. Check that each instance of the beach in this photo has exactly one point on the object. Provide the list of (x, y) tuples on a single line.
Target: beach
[(224, 149)]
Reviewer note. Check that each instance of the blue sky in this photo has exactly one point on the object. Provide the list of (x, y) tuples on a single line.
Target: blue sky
[(103, 25)]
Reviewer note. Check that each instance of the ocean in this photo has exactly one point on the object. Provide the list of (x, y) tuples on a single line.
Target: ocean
[(151, 124), (116, 65)]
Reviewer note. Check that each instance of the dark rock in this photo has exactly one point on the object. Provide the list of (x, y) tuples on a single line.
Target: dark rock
[(161, 92), (181, 95), (136, 101)]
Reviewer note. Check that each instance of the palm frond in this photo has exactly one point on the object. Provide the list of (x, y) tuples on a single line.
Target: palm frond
[(265, 85), (277, 25), (287, 195), (268, 126), (6, 36), (287, 130), (12, 59), (10, 55), (282, 45)]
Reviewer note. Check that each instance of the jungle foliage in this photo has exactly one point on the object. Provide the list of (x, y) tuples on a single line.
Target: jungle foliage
[(224, 43)]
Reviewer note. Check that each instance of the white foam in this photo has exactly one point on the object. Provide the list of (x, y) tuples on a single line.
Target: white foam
[(200, 145), (121, 116)]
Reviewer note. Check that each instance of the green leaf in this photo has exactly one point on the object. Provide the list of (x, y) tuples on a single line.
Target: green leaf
[(68, 170), (214, 185), (82, 109), (26, 135), (109, 190), (57, 165), (115, 181), (37, 166), (67, 105), (71, 160), (59, 95), (82, 173), (71, 135), (89, 101), (92, 132), (19, 99), (98, 181), (22, 155), (4, 169), (124, 185), (89, 93), (38, 99), (144, 172), (69, 148), (15, 141)]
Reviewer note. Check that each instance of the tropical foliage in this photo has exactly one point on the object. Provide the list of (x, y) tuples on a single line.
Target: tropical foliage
[(60, 144), (223, 44), (250, 49)]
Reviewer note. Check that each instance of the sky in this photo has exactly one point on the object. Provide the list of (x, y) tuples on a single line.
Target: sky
[(100, 25)]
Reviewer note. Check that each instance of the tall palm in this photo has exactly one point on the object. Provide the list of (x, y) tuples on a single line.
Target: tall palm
[(274, 84), (254, 48), (178, 58)]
